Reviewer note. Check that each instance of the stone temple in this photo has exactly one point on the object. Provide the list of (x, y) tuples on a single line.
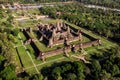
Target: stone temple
[(56, 34), (59, 33)]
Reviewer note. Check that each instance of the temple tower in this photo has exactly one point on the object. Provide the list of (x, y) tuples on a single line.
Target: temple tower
[(66, 42), (41, 38), (54, 34), (81, 46), (68, 33), (63, 24), (73, 48), (80, 35), (50, 43), (99, 41), (58, 26)]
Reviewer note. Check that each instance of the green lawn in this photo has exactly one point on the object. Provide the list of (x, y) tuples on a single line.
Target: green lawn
[(17, 41), (32, 53), (48, 63), (17, 61), (31, 71), (22, 36), (24, 57)]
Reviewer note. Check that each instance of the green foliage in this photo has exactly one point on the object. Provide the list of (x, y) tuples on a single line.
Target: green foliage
[(65, 71), (7, 24), (1, 61), (111, 65), (71, 76), (36, 77), (7, 69), (115, 70), (96, 69), (8, 73), (7, 30), (105, 75), (16, 31), (56, 73), (10, 18), (79, 67)]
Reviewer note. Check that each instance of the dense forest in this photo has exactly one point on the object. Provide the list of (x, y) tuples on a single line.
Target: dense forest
[(104, 22), (7, 57)]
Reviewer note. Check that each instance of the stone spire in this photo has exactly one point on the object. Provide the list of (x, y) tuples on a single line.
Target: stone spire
[(99, 41), (68, 29), (68, 32), (58, 26), (81, 46), (48, 27), (80, 35), (54, 33), (52, 39), (63, 24), (41, 38), (50, 44), (66, 42), (73, 48)]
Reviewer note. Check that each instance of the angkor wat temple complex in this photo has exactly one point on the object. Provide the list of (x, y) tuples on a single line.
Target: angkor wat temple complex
[(56, 34)]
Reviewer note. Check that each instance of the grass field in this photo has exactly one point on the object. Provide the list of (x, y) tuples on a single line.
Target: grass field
[(28, 64), (25, 58)]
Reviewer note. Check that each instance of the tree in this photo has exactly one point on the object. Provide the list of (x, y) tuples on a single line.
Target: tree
[(79, 67), (56, 73), (96, 69), (36, 77), (115, 70), (105, 75), (10, 19), (2, 59), (71, 76), (8, 73), (15, 31)]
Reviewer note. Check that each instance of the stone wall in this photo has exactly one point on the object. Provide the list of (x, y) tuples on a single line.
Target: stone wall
[(68, 49)]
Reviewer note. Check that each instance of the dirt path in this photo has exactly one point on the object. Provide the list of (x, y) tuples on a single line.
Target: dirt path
[(81, 58), (44, 63)]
